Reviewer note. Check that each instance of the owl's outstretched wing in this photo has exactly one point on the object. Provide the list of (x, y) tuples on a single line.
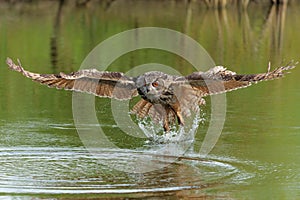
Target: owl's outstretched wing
[(100, 83), (190, 89), (219, 79)]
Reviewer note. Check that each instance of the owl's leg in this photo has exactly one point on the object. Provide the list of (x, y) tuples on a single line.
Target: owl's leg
[(166, 120), (169, 118), (176, 108), (166, 125), (180, 118)]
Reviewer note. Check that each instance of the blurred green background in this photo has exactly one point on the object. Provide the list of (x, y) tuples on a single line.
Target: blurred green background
[(257, 155)]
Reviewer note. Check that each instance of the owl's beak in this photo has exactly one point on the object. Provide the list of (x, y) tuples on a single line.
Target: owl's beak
[(143, 90), (147, 89)]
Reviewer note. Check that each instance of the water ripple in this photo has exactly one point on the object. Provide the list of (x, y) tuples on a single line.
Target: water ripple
[(28, 170)]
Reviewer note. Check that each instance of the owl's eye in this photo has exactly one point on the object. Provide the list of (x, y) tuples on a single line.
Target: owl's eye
[(155, 84)]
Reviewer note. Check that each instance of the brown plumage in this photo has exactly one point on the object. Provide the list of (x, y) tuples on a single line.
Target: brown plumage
[(165, 98)]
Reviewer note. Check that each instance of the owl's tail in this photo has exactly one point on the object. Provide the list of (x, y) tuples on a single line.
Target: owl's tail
[(156, 112)]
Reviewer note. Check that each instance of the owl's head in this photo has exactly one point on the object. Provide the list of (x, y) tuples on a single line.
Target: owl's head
[(152, 85)]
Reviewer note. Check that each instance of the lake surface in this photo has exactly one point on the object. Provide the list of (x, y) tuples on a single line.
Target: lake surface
[(43, 155)]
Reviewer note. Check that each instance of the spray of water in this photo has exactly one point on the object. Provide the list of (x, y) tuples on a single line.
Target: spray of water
[(154, 132)]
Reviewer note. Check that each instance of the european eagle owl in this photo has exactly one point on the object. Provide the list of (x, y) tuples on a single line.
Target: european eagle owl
[(165, 98)]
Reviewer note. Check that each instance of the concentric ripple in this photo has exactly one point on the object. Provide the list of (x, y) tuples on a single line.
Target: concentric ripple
[(44, 159), (75, 171)]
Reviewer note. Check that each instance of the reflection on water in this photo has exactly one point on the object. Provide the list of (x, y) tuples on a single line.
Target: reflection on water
[(41, 153), (54, 38)]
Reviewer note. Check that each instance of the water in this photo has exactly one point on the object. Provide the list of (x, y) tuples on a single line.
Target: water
[(42, 155)]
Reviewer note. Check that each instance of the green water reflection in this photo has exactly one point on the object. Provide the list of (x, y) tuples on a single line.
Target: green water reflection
[(257, 156)]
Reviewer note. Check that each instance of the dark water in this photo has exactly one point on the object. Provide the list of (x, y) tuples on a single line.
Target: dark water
[(42, 155)]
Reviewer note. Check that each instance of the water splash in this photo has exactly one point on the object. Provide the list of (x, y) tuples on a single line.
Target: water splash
[(155, 134)]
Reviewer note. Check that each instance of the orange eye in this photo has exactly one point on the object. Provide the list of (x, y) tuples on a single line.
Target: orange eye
[(155, 84)]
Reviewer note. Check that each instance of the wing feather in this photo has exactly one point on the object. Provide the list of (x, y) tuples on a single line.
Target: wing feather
[(102, 84), (141, 108), (190, 89), (219, 79)]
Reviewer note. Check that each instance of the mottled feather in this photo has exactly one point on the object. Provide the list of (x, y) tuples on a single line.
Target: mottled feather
[(219, 79), (102, 84)]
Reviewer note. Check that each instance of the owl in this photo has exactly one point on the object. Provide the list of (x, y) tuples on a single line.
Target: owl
[(164, 98)]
